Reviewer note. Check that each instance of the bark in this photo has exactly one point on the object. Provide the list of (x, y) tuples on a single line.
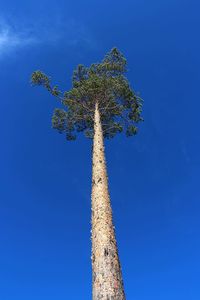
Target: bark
[(106, 271)]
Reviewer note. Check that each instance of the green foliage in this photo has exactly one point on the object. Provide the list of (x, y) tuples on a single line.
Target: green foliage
[(39, 78), (103, 83)]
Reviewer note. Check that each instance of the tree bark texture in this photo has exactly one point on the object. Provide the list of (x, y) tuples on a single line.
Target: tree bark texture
[(106, 271)]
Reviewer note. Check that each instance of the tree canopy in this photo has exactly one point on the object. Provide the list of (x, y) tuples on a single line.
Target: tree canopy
[(103, 84)]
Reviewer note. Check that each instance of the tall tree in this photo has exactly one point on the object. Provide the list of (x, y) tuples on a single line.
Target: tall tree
[(101, 104)]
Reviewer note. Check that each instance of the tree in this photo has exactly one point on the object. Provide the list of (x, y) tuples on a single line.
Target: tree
[(101, 104)]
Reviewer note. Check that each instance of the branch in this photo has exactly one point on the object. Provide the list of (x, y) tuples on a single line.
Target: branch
[(109, 128)]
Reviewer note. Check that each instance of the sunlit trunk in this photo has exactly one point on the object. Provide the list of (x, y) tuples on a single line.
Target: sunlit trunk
[(106, 272)]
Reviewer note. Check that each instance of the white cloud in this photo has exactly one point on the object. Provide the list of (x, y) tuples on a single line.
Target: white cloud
[(12, 39), (17, 36)]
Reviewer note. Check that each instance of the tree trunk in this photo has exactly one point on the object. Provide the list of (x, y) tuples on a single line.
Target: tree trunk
[(106, 272)]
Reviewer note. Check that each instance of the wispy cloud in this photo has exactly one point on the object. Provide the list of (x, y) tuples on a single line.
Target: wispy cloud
[(17, 36), (11, 38)]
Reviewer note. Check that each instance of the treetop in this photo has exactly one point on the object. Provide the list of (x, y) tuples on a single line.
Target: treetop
[(101, 83)]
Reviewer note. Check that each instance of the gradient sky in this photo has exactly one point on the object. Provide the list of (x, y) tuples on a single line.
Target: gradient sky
[(153, 177)]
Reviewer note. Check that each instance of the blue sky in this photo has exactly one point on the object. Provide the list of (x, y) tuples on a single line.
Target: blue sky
[(153, 177)]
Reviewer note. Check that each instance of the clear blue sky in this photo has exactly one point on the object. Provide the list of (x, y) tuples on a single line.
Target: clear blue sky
[(46, 181)]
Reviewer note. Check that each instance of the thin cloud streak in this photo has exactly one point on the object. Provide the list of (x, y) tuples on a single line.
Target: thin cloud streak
[(11, 39), (14, 37)]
